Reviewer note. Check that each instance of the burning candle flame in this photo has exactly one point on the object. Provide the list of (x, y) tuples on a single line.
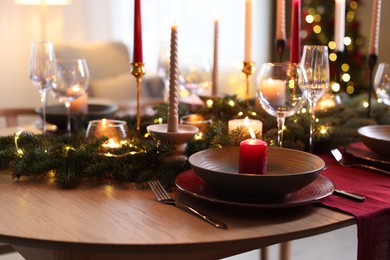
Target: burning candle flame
[(252, 133)]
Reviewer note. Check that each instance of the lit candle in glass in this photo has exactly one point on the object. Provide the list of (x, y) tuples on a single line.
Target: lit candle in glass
[(253, 156)]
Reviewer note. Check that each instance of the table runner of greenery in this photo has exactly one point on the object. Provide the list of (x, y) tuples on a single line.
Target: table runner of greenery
[(73, 160)]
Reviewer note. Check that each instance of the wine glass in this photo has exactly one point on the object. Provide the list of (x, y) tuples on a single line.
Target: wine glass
[(315, 60), (382, 82), (280, 93), (194, 73), (70, 83), (42, 71), (163, 67)]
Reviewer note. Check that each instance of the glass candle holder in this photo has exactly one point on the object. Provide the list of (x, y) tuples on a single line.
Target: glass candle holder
[(115, 130), (198, 120)]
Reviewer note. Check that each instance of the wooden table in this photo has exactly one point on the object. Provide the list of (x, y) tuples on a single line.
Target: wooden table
[(104, 220)]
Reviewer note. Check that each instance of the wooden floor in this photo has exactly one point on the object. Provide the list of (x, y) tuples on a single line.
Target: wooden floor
[(336, 245)]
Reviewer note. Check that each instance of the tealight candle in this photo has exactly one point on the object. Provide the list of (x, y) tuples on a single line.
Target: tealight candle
[(115, 130), (255, 125), (253, 156)]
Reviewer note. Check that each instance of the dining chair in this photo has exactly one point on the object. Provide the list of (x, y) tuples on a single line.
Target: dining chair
[(12, 115)]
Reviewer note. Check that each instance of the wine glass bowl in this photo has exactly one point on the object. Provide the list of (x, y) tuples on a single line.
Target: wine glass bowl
[(279, 90), (382, 82), (70, 83), (42, 71), (315, 60), (194, 73)]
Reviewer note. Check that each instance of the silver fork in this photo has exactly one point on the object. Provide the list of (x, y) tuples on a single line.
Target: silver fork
[(340, 159), (163, 197)]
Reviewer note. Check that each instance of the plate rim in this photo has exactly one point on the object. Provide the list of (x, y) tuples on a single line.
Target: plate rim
[(366, 158), (257, 205)]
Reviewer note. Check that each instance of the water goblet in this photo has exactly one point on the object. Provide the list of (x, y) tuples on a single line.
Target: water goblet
[(42, 71), (194, 74), (315, 60), (382, 82), (280, 93), (70, 83)]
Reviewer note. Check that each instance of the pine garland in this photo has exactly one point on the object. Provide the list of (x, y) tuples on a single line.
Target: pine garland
[(73, 160)]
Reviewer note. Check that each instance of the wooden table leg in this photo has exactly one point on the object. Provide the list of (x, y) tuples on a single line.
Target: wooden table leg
[(264, 253), (285, 251)]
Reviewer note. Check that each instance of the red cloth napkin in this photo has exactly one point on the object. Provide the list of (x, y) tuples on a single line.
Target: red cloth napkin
[(372, 215)]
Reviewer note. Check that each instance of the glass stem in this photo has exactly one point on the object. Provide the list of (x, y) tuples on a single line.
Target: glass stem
[(281, 120), (43, 102), (312, 105), (68, 123)]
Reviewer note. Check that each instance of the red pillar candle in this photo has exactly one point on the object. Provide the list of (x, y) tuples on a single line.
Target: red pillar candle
[(137, 54), (295, 39), (253, 156)]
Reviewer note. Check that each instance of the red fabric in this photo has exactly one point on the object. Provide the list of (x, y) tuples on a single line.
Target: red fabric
[(372, 215)]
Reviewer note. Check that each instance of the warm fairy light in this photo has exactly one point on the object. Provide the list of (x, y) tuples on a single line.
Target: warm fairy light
[(346, 77), (198, 136), (345, 67), (323, 130), (240, 114), (336, 87), (184, 93), (347, 40), (291, 84), (309, 18), (253, 113), (317, 29), (350, 16), (303, 110), (353, 4), (333, 57), (350, 90), (231, 103), (379, 100), (332, 45), (365, 104), (209, 103)]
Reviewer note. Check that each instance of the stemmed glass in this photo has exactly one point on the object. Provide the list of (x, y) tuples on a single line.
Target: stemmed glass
[(280, 93), (382, 82), (315, 60), (194, 73), (163, 67), (42, 71), (70, 83)]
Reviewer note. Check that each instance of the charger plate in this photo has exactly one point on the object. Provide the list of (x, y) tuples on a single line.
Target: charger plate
[(191, 184), (361, 151)]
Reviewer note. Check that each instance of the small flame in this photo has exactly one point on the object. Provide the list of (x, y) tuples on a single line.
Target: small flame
[(252, 133), (246, 121)]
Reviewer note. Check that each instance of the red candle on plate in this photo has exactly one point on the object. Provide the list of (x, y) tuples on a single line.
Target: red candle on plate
[(253, 156), (137, 32)]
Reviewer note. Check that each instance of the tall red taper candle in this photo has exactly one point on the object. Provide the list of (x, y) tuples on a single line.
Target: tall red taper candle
[(137, 56), (295, 39)]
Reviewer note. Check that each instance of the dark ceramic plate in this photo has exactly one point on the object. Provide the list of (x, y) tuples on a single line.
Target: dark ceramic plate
[(191, 184), (56, 114), (288, 170)]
